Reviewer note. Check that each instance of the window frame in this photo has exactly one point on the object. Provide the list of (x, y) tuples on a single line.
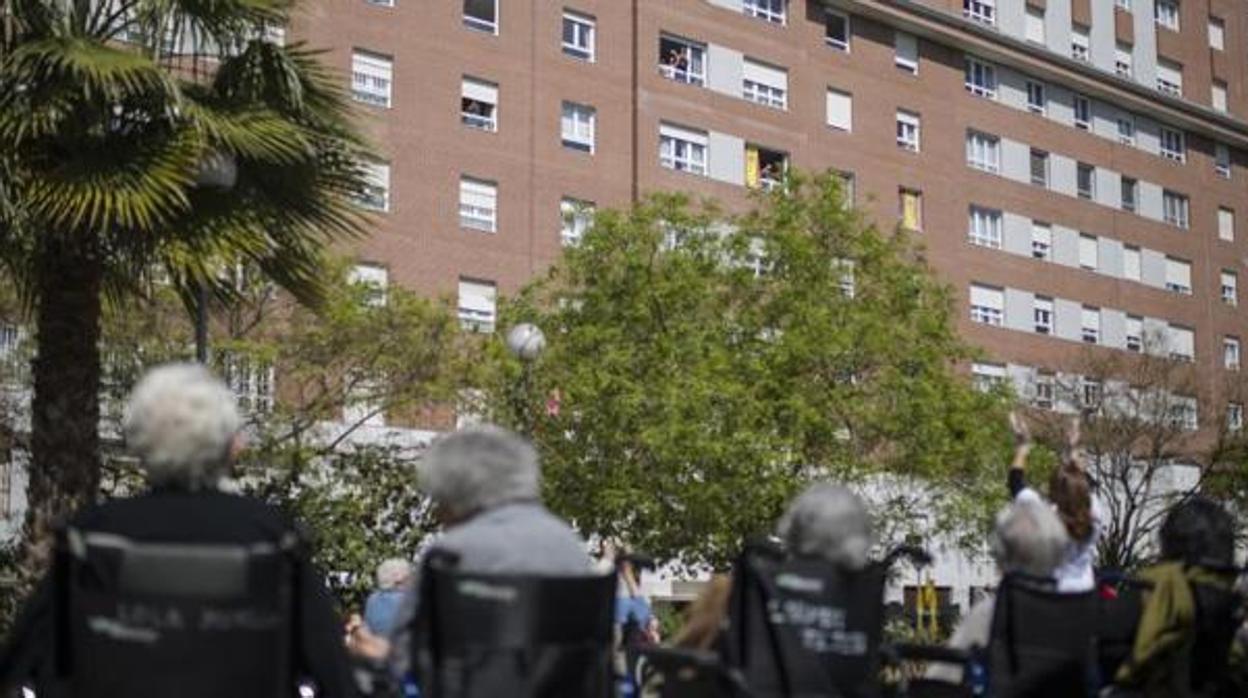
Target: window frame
[(487, 221), (909, 123), (991, 145), (481, 25), (985, 227), (576, 140), (987, 71), (585, 27)]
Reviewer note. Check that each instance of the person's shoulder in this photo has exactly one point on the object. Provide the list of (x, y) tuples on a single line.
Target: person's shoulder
[(194, 516)]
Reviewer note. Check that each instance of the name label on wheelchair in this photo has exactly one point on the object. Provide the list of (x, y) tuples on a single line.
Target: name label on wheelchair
[(145, 622), (819, 628)]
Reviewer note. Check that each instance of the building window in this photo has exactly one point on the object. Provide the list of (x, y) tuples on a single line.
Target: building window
[(481, 15), (478, 305), (1230, 353), (1080, 44), (983, 11), (1124, 5), (1090, 325), (576, 126), (1167, 13), (576, 217), (1122, 61), (682, 60), (770, 10), (1217, 95), (983, 152), (479, 104), (478, 204), (1044, 397), (1085, 181), (981, 78), (1174, 208), (1083, 113), (1039, 168), (1090, 393), (1182, 343), (374, 280), (906, 52), (682, 150), (1036, 102), (836, 30), (1041, 241), (1131, 262), (1178, 276), (1089, 257), (1234, 416), (984, 227), (1173, 146), (1130, 193), (1230, 288), (910, 202), (372, 76), (765, 85), (1217, 34), (375, 195), (987, 377), (840, 110), (1034, 25), (908, 131), (765, 168), (987, 305), (1135, 334), (1170, 78), (1126, 130), (1226, 224), (847, 187), (578, 35), (1042, 314), (251, 381), (1183, 414), (1222, 160)]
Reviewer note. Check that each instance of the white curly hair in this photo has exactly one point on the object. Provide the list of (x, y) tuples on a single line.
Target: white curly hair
[(831, 522), (181, 422), (479, 468)]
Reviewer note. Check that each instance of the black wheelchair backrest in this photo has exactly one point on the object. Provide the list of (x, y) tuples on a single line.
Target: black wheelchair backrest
[(139, 619), (805, 627), (1043, 642), (480, 635)]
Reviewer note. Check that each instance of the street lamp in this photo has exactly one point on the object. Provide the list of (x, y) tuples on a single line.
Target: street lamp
[(216, 171), (525, 342)]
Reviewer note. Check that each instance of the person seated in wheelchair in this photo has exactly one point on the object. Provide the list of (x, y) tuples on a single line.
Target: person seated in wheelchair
[(1028, 538), (826, 523), (1184, 644), (179, 552), (486, 484)]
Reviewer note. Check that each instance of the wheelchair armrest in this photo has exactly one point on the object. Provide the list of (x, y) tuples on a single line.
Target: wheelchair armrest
[(904, 651)]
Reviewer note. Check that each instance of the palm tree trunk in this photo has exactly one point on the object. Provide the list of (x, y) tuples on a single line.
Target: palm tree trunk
[(65, 410)]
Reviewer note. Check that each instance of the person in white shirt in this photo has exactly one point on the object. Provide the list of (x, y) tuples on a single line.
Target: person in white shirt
[(1070, 493)]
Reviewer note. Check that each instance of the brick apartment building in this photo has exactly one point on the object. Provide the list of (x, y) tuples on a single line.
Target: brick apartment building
[(1074, 168)]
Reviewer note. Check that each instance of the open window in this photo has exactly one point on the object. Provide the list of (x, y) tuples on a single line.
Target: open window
[(682, 60), (765, 168), (481, 15), (479, 104)]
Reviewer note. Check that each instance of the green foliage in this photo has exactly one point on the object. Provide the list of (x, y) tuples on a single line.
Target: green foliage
[(359, 506), (706, 367)]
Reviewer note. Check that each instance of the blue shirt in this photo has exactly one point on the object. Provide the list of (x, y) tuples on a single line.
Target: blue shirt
[(381, 610)]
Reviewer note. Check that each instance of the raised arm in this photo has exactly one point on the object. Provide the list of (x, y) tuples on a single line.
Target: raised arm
[(1017, 480)]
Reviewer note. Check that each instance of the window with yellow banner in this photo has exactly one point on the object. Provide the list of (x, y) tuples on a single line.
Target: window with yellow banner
[(911, 209)]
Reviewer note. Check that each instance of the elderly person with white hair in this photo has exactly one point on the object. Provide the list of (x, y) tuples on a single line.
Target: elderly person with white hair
[(825, 521), (1028, 538), (486, 484), (183, 425), (382, 606)]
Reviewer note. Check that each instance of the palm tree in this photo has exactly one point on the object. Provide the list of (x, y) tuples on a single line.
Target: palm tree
[(110, 113)]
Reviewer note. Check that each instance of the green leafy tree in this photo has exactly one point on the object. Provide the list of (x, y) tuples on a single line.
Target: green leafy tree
[(120, 122), (701, 368)]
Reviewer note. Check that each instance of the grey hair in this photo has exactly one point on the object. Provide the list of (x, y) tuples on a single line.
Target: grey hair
[(479, 468), (180, 422), (393, 572), (1030, 538), (830, 522)]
